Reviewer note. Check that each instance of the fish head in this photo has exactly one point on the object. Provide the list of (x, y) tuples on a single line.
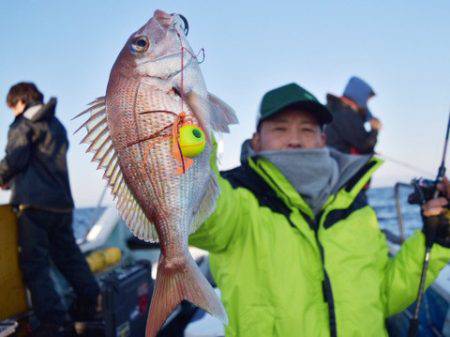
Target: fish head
[(155, 50)]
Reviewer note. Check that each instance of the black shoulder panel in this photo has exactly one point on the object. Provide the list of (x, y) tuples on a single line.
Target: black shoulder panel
[(340, 214), (357, 177), (243, 176)]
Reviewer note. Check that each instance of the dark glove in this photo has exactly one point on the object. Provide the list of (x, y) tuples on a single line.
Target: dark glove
[(435, 215), (437, 229)]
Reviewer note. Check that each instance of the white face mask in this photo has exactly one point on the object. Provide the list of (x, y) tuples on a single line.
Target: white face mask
[(312, 172)]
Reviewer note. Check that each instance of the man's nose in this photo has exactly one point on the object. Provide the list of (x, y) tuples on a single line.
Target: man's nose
[(294, 140)]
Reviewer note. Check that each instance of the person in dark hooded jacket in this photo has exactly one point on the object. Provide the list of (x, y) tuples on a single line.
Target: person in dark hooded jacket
[(347, 132), (35, 168)]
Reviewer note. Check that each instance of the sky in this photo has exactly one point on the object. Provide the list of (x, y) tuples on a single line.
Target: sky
[(401, 48)]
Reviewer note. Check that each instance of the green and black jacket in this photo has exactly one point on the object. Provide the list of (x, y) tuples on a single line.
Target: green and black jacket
[(284, 272)]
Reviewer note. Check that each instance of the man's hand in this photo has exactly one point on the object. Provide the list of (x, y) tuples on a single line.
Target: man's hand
[(375, 124), (435, 214), (437, 206)]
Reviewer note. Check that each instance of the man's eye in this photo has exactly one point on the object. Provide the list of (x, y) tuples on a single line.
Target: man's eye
[(279, 128)]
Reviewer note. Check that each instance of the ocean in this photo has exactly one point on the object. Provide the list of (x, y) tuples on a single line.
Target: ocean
[(381, 199)]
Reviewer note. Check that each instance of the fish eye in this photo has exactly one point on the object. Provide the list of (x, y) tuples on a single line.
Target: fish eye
[(140, 44)]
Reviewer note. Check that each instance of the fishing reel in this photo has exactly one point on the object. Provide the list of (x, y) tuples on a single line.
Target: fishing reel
[(424, 190)]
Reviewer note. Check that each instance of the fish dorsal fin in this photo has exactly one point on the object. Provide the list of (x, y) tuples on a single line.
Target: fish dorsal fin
[(100, 144)]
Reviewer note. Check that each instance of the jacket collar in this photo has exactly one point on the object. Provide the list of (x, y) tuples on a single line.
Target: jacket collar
[(37, 111), (285, 191)]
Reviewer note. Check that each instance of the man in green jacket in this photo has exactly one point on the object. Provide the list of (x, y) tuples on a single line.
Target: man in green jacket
[(294, 247)]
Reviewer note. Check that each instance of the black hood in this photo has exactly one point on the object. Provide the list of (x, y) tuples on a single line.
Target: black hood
[(246, 151), (335, 102), (47, 111)]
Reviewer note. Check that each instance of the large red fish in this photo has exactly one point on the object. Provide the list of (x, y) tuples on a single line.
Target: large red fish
[(154, 90)]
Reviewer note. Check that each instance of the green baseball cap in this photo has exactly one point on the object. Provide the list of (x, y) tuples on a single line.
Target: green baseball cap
[(292, 95)]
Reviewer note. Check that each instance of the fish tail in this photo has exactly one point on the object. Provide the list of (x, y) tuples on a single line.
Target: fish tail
[(179, 280)]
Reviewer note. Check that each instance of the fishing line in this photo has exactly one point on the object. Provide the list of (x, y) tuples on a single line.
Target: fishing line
[(404, 164)]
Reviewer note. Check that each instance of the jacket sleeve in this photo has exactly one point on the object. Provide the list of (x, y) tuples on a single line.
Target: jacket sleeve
[(222, 226), (402, 274), (18, 150), (216, 233), (351, 128)]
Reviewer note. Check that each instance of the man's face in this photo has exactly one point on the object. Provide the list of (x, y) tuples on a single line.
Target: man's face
[(18, 108), (289, 129)]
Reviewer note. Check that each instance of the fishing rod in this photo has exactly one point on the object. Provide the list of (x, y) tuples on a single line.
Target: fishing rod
[(425, 190)]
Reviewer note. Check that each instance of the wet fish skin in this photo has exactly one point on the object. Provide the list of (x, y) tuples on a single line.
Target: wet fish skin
[(154, 86)]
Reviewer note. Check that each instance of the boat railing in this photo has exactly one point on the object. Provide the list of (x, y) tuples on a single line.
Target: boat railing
[(398, 207), (102, 225)]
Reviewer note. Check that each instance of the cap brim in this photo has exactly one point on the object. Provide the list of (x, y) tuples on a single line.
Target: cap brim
[(320, 111)]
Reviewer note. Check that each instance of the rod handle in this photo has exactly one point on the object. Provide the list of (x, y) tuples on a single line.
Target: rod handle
[(413, 327)]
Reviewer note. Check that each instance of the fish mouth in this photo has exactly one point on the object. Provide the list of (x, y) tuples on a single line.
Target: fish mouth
[(159, 58), (188, 62)]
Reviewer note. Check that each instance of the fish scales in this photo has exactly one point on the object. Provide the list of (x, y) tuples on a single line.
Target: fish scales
[(155, 89)]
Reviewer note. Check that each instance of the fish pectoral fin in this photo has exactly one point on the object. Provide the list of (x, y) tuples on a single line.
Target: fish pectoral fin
[(178, 281), (222, 114), (201, 109), (211, 110)]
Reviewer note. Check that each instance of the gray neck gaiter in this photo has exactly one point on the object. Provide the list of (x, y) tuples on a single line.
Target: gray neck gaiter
[(312, 172)]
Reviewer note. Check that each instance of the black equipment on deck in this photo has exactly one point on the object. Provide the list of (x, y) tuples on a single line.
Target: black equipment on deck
[(126, 295)]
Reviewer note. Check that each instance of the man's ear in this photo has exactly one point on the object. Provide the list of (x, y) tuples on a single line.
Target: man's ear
[(256, 142)]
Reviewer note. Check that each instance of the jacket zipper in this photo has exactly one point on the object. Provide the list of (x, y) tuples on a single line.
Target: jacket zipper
[(326, 283)]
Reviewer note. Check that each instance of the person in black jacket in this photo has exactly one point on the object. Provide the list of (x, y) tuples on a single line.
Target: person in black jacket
[(35, 168), (347, 132)]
